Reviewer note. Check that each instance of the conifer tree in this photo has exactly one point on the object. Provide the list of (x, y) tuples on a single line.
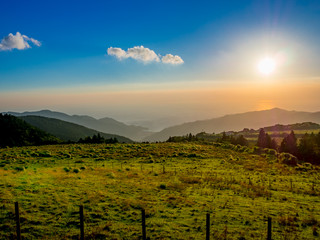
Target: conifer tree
[(289, 144), (262, 139)]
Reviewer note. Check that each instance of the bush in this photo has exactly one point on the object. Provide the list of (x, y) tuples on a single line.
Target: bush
[(76, 170), (256, 150), (288, 159), (19, 168), (192, 155), (111, 175), (163, 186), (79, 161), (44, 154), (271, 152)]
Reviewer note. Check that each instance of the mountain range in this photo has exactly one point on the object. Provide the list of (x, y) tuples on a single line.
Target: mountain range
[(67, 131), (236, 122), (232, 122), (105, 125)]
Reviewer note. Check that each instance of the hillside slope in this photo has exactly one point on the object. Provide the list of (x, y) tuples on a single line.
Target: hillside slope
[(67, 131), (16, 132)]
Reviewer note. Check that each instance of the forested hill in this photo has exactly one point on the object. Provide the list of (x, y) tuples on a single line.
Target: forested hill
[(296, 126), (16, 132), (106, 125), (68, 131)]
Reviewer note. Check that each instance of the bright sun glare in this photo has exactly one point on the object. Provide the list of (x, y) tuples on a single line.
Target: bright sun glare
[(267, 66)]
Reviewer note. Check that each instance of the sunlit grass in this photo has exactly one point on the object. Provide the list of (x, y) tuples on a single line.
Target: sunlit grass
[(177, 184)]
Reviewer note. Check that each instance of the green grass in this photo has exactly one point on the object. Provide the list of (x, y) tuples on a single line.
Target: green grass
[(177, 184)]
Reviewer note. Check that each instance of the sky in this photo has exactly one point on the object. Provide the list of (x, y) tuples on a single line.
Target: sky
[(160, 61)]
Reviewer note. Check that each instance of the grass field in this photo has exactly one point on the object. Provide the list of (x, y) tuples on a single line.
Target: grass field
[(176, 183)]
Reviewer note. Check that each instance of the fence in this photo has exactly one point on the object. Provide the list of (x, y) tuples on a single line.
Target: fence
[(143, 224)]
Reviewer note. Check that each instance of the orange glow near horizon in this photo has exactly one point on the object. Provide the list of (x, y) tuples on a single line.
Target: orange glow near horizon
[(201, 103), (264, 105)]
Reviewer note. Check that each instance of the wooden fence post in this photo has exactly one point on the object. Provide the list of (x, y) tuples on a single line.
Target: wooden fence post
[(269, 228), (16, 206), (81, 223), (208, 227), (144, 233)]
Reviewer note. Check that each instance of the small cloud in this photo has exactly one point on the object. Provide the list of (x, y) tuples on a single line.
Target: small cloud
[(139, 53), (170, 59), (17, 41), (143, 54)]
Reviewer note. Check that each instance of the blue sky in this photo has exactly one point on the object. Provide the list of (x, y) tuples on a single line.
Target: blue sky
[(218, 41)]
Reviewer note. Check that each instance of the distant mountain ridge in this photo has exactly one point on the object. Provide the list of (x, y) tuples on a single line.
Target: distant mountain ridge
[(237, 122), (105, 125), (232, 122), (67, 131)]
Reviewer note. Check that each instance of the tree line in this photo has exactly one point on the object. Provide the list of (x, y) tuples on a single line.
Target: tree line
[(98, 139), (307, 149)]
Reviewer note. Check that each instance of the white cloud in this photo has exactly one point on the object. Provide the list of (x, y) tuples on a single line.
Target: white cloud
[(34, 41), (170, 59), (117, 52), (17, 41), (143, 54)]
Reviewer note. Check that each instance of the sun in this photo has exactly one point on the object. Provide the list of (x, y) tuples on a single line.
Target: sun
[(267, 66)]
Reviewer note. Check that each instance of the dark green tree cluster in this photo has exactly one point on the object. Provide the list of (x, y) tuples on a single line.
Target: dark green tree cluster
[(187, 138), (16, 132), (309, 148), (289, 144), (235, 140), (97, 139), (265, 141)]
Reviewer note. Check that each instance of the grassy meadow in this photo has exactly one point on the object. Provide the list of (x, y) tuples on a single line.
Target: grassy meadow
[(176, 183)]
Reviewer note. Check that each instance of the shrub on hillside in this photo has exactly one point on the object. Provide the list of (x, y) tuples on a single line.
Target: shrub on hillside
[(288, 159)]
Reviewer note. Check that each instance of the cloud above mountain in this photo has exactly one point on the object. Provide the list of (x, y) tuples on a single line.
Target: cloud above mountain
[(17, 41), (143, 54)]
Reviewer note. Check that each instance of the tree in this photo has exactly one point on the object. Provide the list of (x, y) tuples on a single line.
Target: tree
[(289, 144), (241, 140), (309, 148), (262, 139), (265, 141), (274, 145), (224, 137)]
